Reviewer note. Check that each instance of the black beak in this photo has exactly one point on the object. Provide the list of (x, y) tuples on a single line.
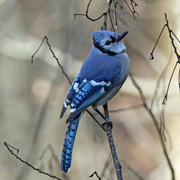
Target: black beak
[(121, 36)]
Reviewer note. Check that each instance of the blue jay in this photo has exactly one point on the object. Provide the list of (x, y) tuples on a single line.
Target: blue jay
[(101, 76)]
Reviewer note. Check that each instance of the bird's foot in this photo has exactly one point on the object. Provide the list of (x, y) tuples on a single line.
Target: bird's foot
[(108, 123)]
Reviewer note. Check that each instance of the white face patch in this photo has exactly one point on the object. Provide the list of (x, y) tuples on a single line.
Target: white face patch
[(116, 47), (102, 83), (75, 87)]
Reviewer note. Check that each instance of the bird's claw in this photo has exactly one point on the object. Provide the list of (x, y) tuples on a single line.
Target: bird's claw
[(108, 123)]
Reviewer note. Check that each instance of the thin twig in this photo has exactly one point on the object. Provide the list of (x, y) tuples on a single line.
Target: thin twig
[(25, 162), (170, 36), (133, 11), (162, 117), (47, 41), (54, 156), (134, 4), (111, 21), (158, 82), (95, 173), (175, 51), (108, 12), (17, 150), (151, 54), (156, 126), (167, 91), (95, 119), (126, 109), (115, 14), (133, 171), (87, 13), (106, 165), (175, 36)]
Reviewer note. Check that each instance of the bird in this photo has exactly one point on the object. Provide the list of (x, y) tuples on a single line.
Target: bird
[(101, 76)]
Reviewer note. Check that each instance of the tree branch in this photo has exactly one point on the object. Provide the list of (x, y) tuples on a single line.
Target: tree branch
[(95, 173), (111, 143), (108, 12), (175, 51), (25, 162), (155, 121), (57, 60)]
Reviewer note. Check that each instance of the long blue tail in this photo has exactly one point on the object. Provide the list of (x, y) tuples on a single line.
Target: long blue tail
[(69, 142)]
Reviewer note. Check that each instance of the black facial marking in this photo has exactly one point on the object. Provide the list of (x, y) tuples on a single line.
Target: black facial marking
[(108, 43), (101, 48), (104, 50), (113, 38)]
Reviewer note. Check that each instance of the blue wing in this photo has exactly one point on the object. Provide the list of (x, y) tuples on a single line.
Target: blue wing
[(83, 94), (87, 94), (71, 92)]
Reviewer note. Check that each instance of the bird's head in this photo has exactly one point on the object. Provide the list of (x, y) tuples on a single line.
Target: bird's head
[(109, 42)]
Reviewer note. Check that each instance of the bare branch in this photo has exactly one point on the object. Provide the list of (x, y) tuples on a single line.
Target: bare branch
[(106, 165), (151, 54), (162, 117), (108, 12), (170, 36), (133, 5), (47, 41), (155, 121), (95, 119), (133, 171), (25, 162), (175, 51), (111, 143), (167, 91), (127, 108), (95, 173), (53, 156), (87, 13), (109, 125), (158, 82)]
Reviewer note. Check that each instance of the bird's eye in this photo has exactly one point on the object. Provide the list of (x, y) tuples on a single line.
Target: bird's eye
[(108, 43)]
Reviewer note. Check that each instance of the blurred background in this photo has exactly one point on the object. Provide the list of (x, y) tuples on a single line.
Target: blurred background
[(32, 95)]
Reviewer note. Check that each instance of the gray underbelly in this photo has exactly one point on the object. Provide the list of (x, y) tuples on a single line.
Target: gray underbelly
[(107, 97)]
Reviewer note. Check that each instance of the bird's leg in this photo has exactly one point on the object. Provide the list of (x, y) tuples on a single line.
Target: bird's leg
[(105, 107), (97, 110), (108, 121)]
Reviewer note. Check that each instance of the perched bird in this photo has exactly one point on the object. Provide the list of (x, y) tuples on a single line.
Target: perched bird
[(101, 76)]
